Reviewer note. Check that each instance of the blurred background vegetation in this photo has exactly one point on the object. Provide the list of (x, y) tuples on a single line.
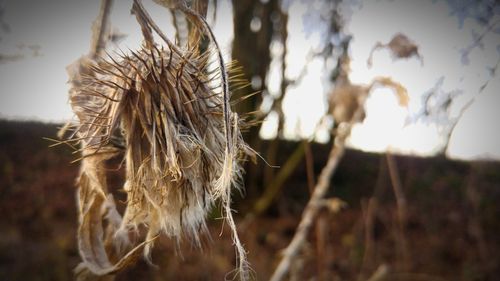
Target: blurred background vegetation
[(392, 212)]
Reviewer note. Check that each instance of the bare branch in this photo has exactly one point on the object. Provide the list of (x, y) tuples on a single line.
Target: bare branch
[(477, 41), (314, 204)]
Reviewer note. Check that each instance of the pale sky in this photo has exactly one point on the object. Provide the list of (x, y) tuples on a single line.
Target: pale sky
[(388, 125), (35, 87), (431, 26)]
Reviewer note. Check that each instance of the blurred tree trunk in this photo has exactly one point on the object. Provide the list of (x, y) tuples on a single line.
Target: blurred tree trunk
[(251, 49)]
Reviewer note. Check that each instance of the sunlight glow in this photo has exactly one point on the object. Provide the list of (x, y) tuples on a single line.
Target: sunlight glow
[(384, 120), (387, 124), (440, 42)]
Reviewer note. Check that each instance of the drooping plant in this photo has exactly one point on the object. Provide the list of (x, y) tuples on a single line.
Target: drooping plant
[(166, 109)]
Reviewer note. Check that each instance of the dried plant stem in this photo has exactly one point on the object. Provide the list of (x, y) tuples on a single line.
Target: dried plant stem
[(92, 199), (310, 212), (401, 208), (321, 223), (322, 254), (311, 181), (272, 157), (369, 214), (455, 122), (313, 206), (99, 30), (396, 185), (275, 186)]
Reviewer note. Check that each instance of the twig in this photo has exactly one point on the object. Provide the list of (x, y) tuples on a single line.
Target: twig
[(455, 122), (493, 71), (401, 207), (277, 183), (309, 166), (477, 40), (322, 254), (276, 102), (314, 204), (321, 223), (396, 185), (369, 215), (275, 186), (99, 30)]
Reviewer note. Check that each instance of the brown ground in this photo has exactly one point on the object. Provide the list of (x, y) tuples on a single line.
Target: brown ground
[(451, 231)]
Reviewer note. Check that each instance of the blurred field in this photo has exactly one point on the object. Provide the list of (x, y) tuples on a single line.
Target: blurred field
[(452, 229)]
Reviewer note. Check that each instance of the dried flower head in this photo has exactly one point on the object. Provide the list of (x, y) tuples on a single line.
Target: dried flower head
[(163, 108)]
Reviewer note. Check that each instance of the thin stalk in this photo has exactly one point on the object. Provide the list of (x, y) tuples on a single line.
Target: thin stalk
[(99, 30), (401, 208), (314, 204)]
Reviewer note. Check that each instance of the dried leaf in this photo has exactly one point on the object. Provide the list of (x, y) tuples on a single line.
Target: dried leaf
[(334, 205), (400, 90), (400, 47)]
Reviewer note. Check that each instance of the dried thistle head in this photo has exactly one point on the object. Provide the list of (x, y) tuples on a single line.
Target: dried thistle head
[(181, 142)]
